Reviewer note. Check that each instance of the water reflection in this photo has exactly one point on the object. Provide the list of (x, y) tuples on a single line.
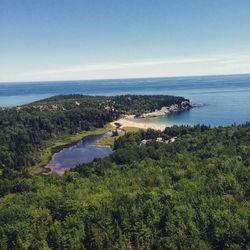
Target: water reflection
[(83, 152)]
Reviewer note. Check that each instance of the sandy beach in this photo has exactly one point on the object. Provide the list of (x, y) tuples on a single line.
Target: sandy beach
[(143, 121), (131, 121)]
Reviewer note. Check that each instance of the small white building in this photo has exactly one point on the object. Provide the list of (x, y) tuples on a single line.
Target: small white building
[(159, 139)]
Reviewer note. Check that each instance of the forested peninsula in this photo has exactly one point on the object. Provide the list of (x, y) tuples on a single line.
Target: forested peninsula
[(192, 193), (27, 129)]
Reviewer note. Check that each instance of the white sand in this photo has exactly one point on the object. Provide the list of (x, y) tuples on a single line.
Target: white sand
[(130, 121)]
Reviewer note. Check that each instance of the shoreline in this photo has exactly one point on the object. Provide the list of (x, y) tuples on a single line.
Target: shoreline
[(122, 124), (62, 142), (141, 123)]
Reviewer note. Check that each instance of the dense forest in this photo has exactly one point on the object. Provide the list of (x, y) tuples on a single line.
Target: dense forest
[(25, 129), (192, 193)]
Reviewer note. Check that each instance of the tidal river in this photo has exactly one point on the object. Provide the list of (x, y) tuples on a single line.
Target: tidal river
[(83, 152)]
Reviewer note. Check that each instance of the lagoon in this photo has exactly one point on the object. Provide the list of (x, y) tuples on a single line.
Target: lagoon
[(84, 151)]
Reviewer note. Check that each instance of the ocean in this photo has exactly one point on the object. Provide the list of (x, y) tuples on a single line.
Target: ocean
[(226, 99)]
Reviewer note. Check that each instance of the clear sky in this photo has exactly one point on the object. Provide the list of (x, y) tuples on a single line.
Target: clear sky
[(97, 39)]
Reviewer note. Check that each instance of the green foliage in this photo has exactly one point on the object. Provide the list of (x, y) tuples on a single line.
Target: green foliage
[(189, 194), (25, 130)]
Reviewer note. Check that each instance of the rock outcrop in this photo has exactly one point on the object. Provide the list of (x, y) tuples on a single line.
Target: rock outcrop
[(183, 106)]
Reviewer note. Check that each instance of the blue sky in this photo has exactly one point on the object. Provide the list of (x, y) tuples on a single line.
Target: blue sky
[(97, 39)]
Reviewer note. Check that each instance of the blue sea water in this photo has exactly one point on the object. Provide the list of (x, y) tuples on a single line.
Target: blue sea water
[(226, 99)]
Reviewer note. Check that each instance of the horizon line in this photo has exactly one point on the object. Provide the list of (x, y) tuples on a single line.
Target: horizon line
[(122, 78)]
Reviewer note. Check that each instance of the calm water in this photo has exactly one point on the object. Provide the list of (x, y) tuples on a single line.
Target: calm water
[(226, 98), (83, 152), (226, 101)]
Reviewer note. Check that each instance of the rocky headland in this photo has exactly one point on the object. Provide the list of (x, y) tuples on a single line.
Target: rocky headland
[(183, 106)]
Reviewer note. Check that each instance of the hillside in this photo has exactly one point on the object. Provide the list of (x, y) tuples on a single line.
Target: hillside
[(192, 193)]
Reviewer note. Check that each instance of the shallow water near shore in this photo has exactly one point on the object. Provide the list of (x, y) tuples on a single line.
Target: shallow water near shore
[(83, 152), (219, 109)]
